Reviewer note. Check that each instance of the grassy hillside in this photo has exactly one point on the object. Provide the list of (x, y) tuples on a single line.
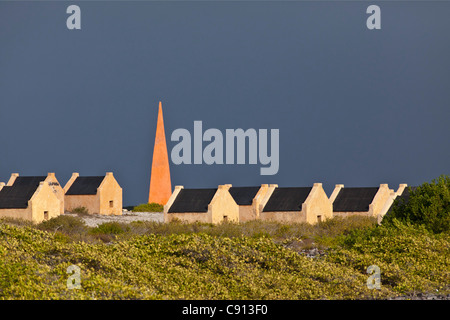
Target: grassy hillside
[(254, 260)]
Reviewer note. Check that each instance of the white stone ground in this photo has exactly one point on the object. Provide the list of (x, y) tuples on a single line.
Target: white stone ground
[(93, 220)]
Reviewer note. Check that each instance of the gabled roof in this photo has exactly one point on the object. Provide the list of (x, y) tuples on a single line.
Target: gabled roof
[(192, 200), (403, 198), (18, 195), (243, 195), (85, 186), (406, 193), (354, 199), (287, 199)]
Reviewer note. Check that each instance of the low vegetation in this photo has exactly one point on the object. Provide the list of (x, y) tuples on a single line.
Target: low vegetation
[(80, 210), (428, 206), (254, 260), (148, 207), (251, 260)]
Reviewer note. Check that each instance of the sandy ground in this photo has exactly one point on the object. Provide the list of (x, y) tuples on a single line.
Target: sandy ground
[(94, 220)]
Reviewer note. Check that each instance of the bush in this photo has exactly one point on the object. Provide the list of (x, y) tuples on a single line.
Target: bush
[(66, 224), (110, 228), (16, 222), (410, 257), (322, 233), (428, 205), (149, 207), (80, 210), (34, 265)]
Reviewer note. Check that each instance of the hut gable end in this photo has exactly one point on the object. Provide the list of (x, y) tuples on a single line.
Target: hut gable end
[(29, 198), (98, 194)]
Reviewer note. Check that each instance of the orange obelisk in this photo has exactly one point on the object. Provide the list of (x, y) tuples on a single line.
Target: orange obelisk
[(160, 186)]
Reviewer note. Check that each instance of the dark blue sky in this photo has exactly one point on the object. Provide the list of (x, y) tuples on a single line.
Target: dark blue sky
[(353, 106)]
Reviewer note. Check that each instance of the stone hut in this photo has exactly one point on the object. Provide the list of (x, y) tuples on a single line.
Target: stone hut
[(29, 198), (203, 205), (50, 179), (363, 201), (401, 195), (249, 199), (98, 194), (296, 204)]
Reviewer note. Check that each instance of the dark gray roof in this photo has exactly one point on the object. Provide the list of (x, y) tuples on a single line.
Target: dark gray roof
[(192, 200), (287, 199), (406, 193), (85, 186), (354, 199), (403, 198), (17, 195), (243, 195)]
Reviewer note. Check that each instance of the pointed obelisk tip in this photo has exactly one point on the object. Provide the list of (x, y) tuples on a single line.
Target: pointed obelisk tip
[(160, 185)]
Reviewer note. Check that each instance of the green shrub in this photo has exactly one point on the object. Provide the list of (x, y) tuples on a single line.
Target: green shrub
[(34, 265), (110, 228), (80, 210), (410, 257), (149, 207), (16, 222), (323, 232), (61, 237), (66, 224), (428, 205)]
